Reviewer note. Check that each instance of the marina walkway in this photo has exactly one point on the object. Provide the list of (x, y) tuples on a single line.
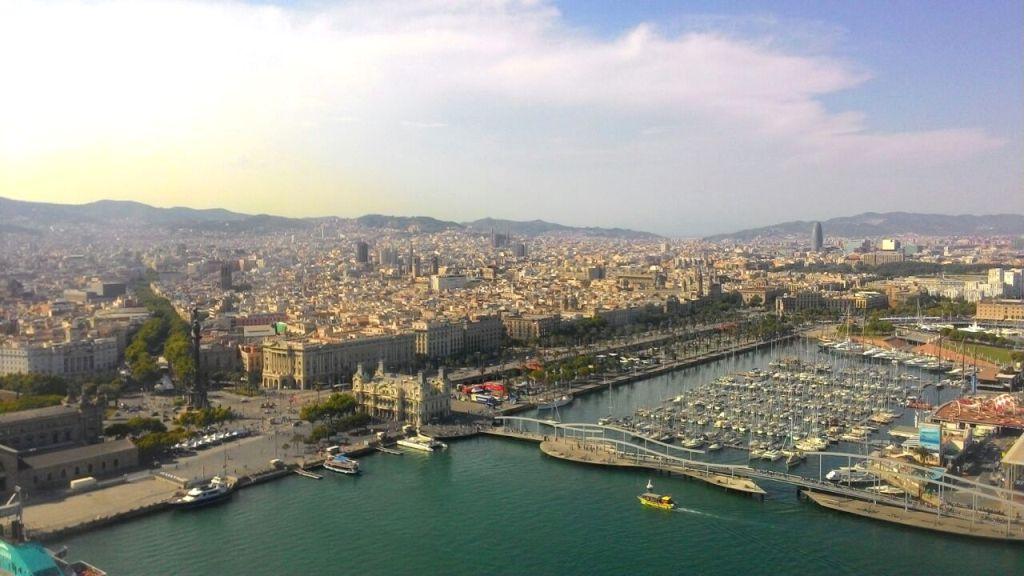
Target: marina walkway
[(979, 528), (588, 444), (576, 451)]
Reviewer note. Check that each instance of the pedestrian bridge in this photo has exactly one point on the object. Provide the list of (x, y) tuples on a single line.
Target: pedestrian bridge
[(938, 493)]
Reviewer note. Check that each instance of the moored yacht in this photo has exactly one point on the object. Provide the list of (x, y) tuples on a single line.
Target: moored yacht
[(342, 464), (851, 476), (212, 492), (562, 400), (422, 443)]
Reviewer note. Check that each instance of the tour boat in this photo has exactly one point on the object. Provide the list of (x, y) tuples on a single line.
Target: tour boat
[(423, 443), (216, 490), (342, 464), (656, 500)]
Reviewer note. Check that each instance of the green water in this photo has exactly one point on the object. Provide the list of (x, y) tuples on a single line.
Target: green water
[(492, 506)]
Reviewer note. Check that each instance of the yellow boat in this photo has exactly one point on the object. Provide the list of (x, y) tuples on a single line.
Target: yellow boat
[(656, 500)]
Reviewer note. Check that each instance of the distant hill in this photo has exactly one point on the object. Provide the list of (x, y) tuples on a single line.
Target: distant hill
[(420, 223), (21, 215), (540, 227), (873, 224)]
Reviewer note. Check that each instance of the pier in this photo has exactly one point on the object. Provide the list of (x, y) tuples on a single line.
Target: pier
[(946, 510), (575, 451), (993, 530)]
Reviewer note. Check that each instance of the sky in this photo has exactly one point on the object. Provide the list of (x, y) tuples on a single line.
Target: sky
[(682, 118)]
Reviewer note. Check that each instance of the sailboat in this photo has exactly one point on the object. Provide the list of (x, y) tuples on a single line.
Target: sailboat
[(793, 454), (562, 400), (609, 418)]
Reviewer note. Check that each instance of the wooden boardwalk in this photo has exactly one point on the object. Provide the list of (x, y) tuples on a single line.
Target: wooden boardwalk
[(980, 527), (601, 456)]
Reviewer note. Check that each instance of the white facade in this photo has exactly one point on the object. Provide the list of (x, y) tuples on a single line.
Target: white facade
[(63, 359), (411, 399), (440, 283)]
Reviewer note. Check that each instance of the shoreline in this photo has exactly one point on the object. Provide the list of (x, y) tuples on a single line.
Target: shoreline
[(658, 370)]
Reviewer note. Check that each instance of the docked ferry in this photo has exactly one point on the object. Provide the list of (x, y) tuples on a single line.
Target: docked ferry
[(653, 500), (342, 464), (423, 443), (212, 492), (33, 558), (19, 555)]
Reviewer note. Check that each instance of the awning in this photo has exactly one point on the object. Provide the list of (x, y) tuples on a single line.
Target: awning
[(1015, 455)]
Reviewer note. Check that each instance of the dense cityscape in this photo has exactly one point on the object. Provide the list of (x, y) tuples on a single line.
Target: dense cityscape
[(123, 368), (511, 287)]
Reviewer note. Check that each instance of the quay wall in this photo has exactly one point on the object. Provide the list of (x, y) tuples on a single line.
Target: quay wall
[(102, 520)]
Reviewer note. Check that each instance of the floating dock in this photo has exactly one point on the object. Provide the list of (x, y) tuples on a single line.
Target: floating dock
[(980, 527)]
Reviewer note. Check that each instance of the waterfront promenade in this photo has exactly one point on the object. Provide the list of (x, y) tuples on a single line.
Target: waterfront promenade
[(82, 511), (619, 345), (597, 454), (598, 384), (983, 527), (590, 444), (149, 491)]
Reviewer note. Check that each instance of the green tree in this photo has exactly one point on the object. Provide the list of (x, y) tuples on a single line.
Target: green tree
[(205, 417), (335, 414), (34, 384)]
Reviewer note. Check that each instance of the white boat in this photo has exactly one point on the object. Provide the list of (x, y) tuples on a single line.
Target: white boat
[(563, 400), (693, 443), (422, 443), (216, 490), (887, 490), (342, 464), (851, 476), (811, 444)]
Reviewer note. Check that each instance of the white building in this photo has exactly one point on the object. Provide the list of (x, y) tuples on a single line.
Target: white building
[(413, 400), (444, 283), (70, 359)]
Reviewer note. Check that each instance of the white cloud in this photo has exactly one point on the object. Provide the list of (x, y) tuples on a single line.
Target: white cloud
[(509, 79), (422, 124)]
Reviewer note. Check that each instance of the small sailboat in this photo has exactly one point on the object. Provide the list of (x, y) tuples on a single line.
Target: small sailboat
[(795, 458), (649, 498)]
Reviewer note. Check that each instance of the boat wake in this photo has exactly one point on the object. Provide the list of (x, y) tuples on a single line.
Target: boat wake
[(698, 512)]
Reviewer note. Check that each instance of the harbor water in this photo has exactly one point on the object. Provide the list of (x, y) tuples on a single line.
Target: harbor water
[(496, 506)]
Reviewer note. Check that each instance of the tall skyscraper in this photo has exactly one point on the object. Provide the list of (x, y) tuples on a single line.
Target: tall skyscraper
[(362, 252), (817, 238), (225, 276)]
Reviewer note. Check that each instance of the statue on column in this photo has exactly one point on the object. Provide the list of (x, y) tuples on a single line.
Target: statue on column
[(197, 396)]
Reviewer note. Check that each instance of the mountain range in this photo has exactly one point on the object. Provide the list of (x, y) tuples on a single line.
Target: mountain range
[(874, 224), (19, 216)]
